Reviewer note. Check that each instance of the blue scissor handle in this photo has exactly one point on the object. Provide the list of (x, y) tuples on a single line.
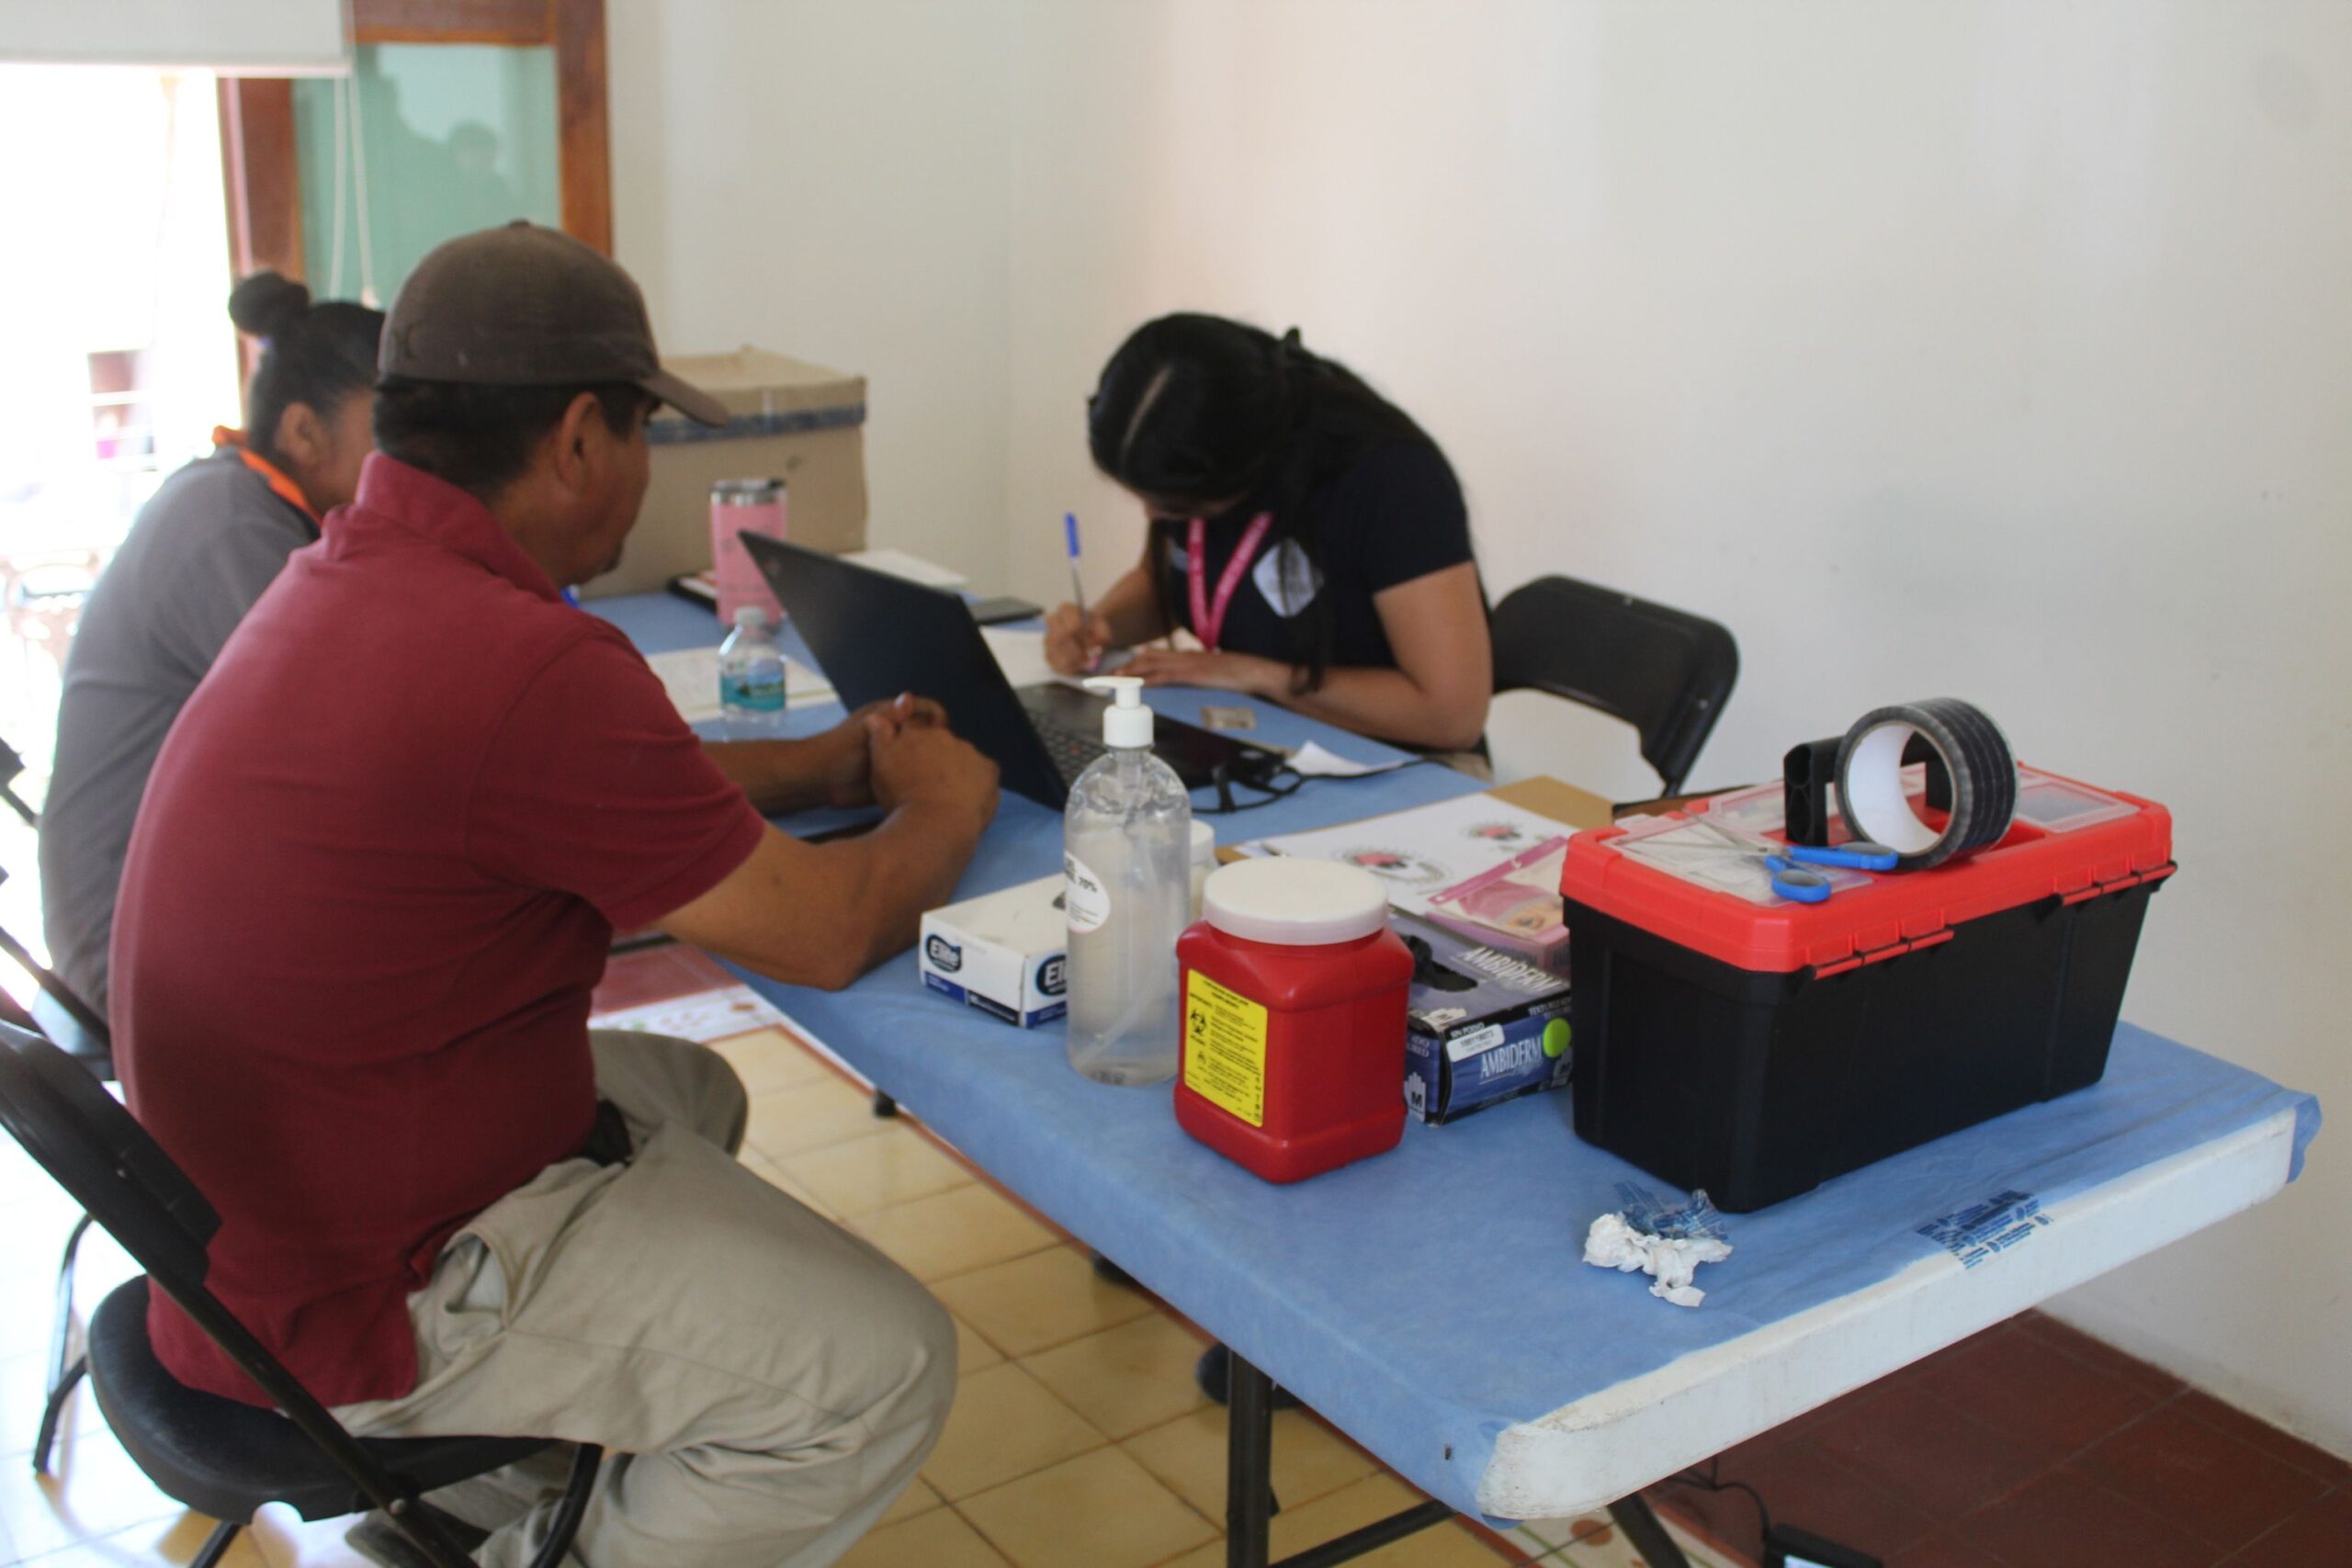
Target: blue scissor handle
[(1794, 883), (1860, 856)]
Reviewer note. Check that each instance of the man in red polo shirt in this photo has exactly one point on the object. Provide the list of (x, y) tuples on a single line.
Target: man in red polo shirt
[(374, 879)]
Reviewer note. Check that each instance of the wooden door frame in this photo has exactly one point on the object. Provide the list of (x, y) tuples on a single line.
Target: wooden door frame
[(257, 156)]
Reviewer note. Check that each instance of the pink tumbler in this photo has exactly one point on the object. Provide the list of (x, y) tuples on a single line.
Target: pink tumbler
[(737, 507)]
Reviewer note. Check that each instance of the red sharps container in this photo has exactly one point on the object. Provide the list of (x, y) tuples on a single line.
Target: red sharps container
[(1293, 1048)]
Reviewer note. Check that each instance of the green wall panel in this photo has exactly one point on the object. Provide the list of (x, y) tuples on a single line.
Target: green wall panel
[(452, 138)]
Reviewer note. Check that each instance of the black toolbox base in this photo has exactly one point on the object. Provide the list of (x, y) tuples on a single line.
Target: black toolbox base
[(1758, 1086)]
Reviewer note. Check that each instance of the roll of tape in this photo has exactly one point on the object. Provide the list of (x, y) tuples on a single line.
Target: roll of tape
[(1974, 752)]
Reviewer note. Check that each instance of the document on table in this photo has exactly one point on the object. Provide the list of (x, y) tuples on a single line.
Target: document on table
[(690, 676), (1426, 850)]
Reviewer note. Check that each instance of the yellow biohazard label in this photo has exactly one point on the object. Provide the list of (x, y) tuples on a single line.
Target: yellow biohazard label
[(1224, 1048)]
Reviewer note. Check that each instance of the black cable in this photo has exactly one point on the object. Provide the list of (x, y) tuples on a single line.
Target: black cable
[(1229, 807), (1224, 782), (1713, 1482)]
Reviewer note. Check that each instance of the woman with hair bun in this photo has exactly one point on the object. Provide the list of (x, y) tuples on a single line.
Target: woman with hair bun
[(308, 407), (1300, 526), (201, 550)]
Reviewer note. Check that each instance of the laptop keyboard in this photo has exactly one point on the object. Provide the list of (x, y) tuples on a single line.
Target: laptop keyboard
[(1071, 749)]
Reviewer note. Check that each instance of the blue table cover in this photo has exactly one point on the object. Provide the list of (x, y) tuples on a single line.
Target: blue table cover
[(1428, 1298)]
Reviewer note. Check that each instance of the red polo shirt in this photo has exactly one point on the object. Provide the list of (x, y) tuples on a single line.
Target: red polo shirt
[(374, 877)]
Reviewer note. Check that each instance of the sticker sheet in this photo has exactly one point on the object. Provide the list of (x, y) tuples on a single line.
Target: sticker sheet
[(1426, 849)]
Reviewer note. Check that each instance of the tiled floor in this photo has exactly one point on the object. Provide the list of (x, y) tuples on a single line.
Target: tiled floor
[(2032, 1446), (1079, 1440)]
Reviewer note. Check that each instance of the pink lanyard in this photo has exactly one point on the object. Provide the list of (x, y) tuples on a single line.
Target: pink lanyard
[(1208, 620)]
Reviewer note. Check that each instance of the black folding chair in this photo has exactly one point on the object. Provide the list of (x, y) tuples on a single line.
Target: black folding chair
[(1665, 672), (60, 1014), (63, 1017), (72, 1024), (220, 1455), (11, 767)]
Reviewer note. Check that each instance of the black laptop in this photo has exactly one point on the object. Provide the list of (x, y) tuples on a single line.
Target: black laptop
[(875, 636)]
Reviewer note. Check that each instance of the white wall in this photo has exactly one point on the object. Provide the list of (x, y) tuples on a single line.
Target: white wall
[(1999, 350), (828, 181)]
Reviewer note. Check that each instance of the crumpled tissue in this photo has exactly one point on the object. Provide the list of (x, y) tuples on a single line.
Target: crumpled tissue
[(1669, 1260)]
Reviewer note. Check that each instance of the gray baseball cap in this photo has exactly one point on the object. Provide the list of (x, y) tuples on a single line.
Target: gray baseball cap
[(524, 305)]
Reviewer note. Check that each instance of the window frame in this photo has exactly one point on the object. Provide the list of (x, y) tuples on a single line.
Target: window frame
[(257, 152)]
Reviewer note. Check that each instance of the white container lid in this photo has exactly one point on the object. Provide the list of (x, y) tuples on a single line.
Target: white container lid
[(1204, 843), (1294, 901)]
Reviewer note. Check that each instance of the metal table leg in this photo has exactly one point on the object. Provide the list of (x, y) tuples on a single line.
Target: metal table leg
[(1248, 1466), (1646, 1535), (1250, 1494)]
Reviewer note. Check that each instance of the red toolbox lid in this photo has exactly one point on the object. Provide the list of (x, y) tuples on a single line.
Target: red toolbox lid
[(2069, 841)]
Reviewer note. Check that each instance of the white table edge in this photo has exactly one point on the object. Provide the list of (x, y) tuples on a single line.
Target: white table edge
[(1585, 1455)]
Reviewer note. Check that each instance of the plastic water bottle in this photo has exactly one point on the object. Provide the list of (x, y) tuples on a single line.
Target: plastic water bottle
[(1126, 847), (751, 678)]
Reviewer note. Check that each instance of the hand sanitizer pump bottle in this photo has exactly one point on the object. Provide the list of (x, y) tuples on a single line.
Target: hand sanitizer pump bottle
[(1126, 849)]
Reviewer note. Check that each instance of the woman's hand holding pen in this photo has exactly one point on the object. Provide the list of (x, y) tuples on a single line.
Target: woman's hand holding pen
[(1075, 641), (1243, 672)]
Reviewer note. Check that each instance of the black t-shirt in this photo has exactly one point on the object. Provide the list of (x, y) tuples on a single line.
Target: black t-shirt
[(1393, 515)]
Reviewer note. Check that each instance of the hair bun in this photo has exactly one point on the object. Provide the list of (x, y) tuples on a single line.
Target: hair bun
[(267, 303)]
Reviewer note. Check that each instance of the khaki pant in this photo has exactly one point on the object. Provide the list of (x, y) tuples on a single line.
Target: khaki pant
[(763, 1383)]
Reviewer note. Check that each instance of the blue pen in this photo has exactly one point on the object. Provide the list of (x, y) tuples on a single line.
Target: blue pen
[(1077, 584)]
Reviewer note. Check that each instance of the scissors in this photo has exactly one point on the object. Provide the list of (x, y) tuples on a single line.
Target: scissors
[(1790, 864)]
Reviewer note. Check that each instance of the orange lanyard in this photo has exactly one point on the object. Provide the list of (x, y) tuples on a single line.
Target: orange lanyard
[(286, 490)]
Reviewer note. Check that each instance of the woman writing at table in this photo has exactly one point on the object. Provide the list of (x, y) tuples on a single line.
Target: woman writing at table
[(1301, 526)]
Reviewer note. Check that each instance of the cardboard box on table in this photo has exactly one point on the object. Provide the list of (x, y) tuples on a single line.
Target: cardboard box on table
[(794, 420)]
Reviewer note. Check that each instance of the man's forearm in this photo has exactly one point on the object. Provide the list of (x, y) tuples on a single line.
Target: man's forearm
[(911, 863), (1387, 705), (779, 776)]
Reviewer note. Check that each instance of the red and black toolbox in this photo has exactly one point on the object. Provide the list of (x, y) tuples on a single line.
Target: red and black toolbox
[(1754, 1047)]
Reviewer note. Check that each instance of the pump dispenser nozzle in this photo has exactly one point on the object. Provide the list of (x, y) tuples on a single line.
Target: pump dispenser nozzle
[(1126, 723)]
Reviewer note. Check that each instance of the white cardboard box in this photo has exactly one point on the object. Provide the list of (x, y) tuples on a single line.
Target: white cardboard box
[(1001, 952)]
